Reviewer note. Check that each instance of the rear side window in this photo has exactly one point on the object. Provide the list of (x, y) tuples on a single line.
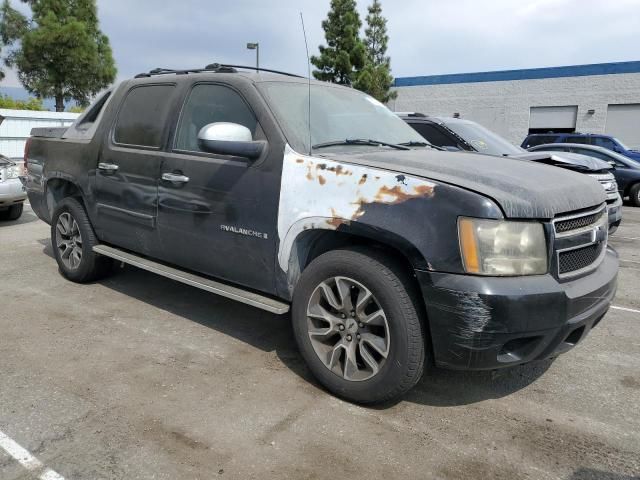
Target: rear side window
[(436, 136), (91, 115), (576, 139), (143, 116)]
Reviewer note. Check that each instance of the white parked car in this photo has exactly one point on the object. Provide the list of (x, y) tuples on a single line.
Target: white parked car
[(12, 191)]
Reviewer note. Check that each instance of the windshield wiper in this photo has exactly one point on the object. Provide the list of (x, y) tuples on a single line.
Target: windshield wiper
[(413, 143), (359, 141)]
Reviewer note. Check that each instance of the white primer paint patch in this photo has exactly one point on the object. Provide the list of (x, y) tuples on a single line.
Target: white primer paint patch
[(25, 458), (319, 193)]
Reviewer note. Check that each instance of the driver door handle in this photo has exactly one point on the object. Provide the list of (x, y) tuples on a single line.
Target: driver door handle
[(108, 167), (175, 178)]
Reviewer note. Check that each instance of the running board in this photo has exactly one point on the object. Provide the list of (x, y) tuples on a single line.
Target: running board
[(227, 291)]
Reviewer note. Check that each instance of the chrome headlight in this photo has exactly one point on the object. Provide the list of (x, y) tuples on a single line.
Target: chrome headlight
[(502, 248), (13, 171)]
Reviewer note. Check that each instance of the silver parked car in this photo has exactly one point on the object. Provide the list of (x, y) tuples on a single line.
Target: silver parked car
[(12, 191)]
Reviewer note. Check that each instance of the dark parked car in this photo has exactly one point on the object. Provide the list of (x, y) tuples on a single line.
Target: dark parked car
[(604, 141), (388, 252), (458, 134), (626, 171)]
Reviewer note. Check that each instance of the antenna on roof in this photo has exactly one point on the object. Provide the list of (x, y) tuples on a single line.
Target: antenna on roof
[(306, 45)]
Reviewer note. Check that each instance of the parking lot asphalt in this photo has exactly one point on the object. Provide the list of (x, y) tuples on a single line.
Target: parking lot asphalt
[(140, 377)]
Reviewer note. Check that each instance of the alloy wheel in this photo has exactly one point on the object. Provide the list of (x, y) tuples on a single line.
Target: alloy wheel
[(68, 241), (348, 329)]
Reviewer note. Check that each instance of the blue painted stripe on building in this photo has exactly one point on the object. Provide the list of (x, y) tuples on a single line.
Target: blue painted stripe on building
[(527, 74)]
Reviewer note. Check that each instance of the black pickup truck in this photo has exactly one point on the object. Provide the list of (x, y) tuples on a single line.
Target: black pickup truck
[(282, 194)]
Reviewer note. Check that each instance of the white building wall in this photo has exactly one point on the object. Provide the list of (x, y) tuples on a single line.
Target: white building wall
[(504, 106), (17, 124)]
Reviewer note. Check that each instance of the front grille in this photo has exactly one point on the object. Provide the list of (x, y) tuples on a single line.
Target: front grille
[(579, 258), (563, 226), (580, 240)]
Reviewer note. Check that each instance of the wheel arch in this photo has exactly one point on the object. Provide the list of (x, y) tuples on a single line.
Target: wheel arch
[(59, 188), (312, 241)]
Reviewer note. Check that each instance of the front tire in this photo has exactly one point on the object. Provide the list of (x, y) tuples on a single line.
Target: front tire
[(634, 195), (73, 239), (357, 322)]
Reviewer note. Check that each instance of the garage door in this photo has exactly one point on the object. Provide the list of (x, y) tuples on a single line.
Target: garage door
[(623, 122), (553, 118)]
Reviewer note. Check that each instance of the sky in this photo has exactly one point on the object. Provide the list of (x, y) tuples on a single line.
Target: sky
[(427, 37)]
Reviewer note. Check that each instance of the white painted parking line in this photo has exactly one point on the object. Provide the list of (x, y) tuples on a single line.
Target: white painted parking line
[(624, 309), (25, 458)]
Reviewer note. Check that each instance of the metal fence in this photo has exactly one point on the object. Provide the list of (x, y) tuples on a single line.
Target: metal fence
[(17, 124)]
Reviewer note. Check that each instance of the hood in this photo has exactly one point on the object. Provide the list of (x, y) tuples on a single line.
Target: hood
[(572, 161), (522, 189)]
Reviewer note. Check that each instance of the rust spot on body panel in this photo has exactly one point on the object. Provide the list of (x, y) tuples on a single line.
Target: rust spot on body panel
[(321, 180), (363, 179), (395, 195)]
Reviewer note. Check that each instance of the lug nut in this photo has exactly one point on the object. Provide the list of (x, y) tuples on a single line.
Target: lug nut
[(358, 336), (361, 325), (341, 327), (353, 313), (343, 316), (349, 338)]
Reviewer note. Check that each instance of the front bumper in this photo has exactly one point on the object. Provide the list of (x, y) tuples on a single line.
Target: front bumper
[(615, 213), (12, 191), (481, 323)]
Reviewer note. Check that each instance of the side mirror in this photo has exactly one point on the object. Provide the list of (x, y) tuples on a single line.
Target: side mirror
[(613, 164), (225, 138)]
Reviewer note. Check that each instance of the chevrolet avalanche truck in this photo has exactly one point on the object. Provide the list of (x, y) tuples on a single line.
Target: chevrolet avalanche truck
[(287, 194)]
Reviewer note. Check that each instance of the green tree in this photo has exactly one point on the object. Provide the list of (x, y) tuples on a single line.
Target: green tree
[(30, 104), (12, 26), (60, 52), (375, 78), (344, 55)]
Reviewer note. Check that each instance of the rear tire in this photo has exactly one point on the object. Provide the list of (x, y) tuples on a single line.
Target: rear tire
[(73, 239), (371, 349), (14, 212), (634, 195)]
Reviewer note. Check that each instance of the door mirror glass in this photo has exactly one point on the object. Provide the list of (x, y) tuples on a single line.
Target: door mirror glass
[(224, 138), (451, 148)]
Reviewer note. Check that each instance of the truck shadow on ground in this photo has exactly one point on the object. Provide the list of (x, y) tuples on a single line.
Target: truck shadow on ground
[(273, 333)]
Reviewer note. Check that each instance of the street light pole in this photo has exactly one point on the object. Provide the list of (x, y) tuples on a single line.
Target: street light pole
[(255, 46)]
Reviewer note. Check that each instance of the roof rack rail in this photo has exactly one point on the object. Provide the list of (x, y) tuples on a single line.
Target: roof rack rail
[(218, 66), (213, 67)]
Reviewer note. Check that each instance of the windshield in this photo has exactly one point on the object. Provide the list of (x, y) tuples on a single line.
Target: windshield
[(482, 139), (336, 114), (621, 144)]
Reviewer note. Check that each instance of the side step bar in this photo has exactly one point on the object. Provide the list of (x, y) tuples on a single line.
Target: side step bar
[(234, 293)]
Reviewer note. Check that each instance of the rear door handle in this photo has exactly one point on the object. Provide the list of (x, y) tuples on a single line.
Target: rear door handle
[(174, 178), (108, 167)]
